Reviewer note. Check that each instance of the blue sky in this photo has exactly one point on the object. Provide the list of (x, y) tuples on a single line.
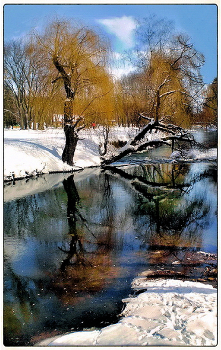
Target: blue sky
[(118, 22)]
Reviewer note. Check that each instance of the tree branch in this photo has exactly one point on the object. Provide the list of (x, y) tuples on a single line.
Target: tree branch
[(66, 78), (168, 93), (177, 133)]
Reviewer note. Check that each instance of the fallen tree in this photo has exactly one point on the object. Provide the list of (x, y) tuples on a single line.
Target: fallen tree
[(141, 141)]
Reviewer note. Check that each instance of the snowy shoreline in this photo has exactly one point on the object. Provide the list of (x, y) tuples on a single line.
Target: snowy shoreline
[(29, 153), (33, 152), (166, 313)]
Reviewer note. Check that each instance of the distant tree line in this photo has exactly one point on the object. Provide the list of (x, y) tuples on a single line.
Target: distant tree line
[(72, 62)]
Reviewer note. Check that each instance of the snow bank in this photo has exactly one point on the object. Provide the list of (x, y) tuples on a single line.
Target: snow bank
[(210, 154), (31, 152), (169, 312)]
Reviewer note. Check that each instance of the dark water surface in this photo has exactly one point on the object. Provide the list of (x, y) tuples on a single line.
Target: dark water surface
[(72, 249)]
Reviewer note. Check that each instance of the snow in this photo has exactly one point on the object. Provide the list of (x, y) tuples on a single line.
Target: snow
[(166, 312), (31, 152), (196, 154)]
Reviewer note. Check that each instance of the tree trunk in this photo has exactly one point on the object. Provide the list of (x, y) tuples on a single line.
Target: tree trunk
[(139, 143), (70, 133), (68, 111), (70, 145), (157, 106), (70, 127)]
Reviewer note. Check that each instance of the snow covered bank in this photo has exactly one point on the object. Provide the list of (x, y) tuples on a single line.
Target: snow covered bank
[(31, 152), (169, 312)]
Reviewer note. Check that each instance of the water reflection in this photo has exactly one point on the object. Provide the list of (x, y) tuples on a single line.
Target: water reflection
[(88, 264), (164, 209), (71, 252)]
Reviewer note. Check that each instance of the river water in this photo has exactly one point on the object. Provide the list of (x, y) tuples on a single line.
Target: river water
[(73, 243)]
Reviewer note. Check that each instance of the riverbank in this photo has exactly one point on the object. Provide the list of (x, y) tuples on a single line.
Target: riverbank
[(29, 153), (172, 310), (33, 152), (166, 312)]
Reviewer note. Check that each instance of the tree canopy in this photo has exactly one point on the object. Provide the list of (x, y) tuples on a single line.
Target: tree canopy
[(168, 82), (209, 112), (67, 60), (79, 59)]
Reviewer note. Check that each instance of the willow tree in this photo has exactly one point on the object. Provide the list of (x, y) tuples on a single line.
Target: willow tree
[(165, 89), (209, 114), (168, 98), (79, 58), (168, 71)]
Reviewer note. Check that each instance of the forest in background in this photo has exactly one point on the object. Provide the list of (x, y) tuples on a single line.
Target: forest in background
[(166, 85)]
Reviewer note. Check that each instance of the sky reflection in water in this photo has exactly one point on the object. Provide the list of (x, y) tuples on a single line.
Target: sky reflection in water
[(72, 251)]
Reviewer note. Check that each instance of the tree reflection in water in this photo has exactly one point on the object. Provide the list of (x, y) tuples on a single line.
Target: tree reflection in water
[(76, 248), (85, 271), (165, 219), (118, 222)]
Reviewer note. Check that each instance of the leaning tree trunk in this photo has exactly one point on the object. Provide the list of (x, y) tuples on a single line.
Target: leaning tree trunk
[(139, 143)]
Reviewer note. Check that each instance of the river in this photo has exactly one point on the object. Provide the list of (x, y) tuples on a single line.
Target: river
[(74, 242)]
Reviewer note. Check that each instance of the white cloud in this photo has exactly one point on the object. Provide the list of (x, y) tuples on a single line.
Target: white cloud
[(122, 27), (120, 72), (119, 66)]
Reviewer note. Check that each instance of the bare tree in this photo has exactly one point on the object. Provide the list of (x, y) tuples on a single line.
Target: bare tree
[(29, 82), (209, 113), (16, 66), (9, 114)]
